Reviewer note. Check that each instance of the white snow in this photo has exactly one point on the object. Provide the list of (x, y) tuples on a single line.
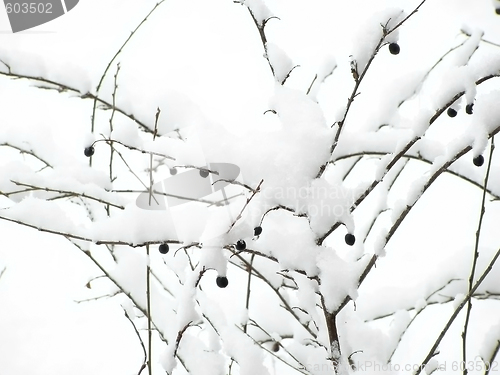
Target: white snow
[(201, 64)]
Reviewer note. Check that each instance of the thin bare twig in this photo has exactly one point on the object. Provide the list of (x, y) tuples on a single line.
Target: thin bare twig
[(82, 238), (384, 209), (247, 301), (431, 352), (274, 354), (105, 296), (88, 95), (482, 39), (114, 58), (257, 189), (475, 256), (407, 17), (322, 80), (111, 118), (488, 364), (234, 182), (262, 34), (148, 307), (67, 193), (134, 174), (255, 324), (179, 337), (143, 365), (110, 141), (28, 152)]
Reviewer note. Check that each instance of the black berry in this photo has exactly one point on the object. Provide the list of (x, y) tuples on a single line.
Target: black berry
[(497, 11), (478, 160), (163, 248), (468, 108), (350, 239), (241, 245), (451, 112), (203, 173), (257, 231), (89, 151), (394, 48), (275, 347), (222, 281), (173, 171)]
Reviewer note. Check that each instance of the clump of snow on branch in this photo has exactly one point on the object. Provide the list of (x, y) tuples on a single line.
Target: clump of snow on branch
[(279, 60), (259, 10)]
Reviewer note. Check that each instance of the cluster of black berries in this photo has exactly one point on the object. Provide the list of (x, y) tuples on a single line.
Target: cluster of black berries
[(240, 245), (453, 112), (478, 160)]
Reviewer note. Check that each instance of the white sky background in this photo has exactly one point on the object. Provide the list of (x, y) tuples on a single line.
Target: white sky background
[(211, 52)]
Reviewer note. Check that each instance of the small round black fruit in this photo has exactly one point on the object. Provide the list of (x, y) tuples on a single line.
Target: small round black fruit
[(241, 245), (203, 173), (350, 239), (275, 347), (222, 281), (497, 11), (89, 151), (163, 248), (478, 160), (394, 48), (173, 171), (257, 231), (468, 108), (451, 112)]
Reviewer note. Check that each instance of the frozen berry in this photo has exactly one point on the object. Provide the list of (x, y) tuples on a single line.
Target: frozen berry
[(497, 11), (468, 108), (241, 245), (163, 248), (350, 239), (173, 171), (451, 112), (221, 281), (203, 173), (394, 48), (89, 151), (275, 347), (478, 160), (257, 231)]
